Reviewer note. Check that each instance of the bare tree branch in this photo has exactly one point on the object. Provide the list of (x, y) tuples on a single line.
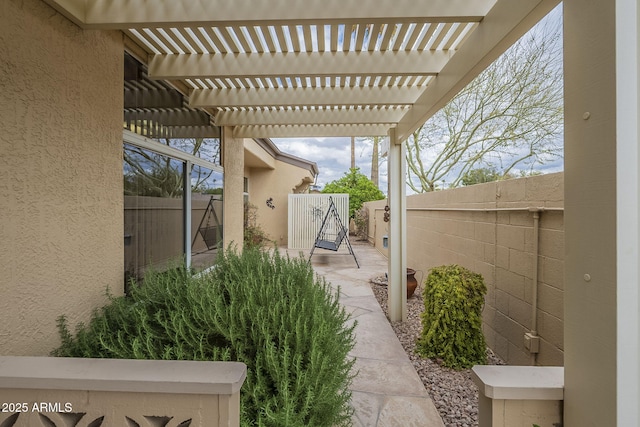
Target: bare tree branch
[(510, 117)]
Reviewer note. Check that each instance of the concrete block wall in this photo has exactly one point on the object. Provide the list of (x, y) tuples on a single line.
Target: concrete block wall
[(470, 226)]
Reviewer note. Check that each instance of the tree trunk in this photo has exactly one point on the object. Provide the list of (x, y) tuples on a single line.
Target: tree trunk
[(374, 161), (353, 152)]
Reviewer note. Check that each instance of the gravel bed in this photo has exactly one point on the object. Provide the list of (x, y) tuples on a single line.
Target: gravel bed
[(453, 392)]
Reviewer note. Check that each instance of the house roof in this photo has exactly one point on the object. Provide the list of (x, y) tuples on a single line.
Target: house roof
[(308, 68), (268, 146)]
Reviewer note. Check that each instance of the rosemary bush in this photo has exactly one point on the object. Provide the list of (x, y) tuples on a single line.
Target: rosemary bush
[(265, 310), (452, 317)]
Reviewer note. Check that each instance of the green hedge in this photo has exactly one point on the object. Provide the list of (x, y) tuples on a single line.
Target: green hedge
[(452, 317), (270, 312)]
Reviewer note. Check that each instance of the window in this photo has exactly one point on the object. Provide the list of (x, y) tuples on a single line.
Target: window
[(172, 178), (206, 216), (246, 190), (153, 211)]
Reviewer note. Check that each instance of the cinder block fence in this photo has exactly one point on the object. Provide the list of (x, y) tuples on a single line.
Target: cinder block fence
[(511, 232)]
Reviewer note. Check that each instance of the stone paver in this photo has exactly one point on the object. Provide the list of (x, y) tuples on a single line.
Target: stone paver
[(386, 391)]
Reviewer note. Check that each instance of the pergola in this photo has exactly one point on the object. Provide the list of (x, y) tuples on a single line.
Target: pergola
[(332, 68), (287, 68)]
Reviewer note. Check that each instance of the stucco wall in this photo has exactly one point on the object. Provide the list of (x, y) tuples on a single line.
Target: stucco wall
[(498, 245), (233, 200), (277, 184), (61, 230)]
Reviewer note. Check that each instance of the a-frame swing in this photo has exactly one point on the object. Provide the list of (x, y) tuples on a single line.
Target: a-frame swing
[(211, 234), (332, 233)]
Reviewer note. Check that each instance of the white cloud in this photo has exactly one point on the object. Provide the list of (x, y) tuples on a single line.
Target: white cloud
[(333, 156)]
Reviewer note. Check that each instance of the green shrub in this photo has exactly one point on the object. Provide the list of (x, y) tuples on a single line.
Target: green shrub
[(452, 317), (359, 188), (262, 309), (254, 235)]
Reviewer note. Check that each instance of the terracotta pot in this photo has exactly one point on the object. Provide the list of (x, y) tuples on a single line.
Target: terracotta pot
[(412, 283)]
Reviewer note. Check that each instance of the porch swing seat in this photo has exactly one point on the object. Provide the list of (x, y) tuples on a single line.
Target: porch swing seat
[(209, 229), (331, 245), (211, 236), (330, 224)]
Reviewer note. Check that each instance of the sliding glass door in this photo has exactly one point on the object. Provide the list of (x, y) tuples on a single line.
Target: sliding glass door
[(172, 207)]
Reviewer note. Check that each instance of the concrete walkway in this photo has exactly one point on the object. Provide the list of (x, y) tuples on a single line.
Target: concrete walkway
[(387, 391)]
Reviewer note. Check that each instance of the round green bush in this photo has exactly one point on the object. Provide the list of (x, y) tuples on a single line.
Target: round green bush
[(265, 310), (452, 317)]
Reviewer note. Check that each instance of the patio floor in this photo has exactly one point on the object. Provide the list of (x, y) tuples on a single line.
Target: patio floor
[(387, 390)]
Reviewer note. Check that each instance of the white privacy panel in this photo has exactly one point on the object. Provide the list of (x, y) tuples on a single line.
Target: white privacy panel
[(306, 212)]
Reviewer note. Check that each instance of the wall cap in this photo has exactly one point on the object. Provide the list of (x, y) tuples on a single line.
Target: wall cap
[(120, 375), (519, 382)]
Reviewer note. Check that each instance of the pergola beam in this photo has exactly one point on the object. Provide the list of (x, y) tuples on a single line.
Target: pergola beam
[(302, 131), (194, 131), (311, 116), (170, 118), (123, 14), (148, 98), (305, 96), (221, 65)]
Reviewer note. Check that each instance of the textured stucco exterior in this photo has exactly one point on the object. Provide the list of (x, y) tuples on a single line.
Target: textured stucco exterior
[(275, 184), (233, 163), (498, 245), (61, 224)]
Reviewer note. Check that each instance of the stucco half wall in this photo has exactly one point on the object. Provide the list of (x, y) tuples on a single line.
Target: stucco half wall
[(61, 229)]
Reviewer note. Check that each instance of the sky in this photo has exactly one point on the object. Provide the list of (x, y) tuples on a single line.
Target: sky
[(333, 156)]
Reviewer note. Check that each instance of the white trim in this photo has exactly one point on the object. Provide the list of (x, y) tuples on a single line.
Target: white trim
[(143, 142), (397, 261), (122, 14), (186, 182), (628, 212)]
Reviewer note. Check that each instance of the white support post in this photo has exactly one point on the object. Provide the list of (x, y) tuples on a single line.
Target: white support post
[(599, 159), (397, 287), (186, 182), (628, 211)]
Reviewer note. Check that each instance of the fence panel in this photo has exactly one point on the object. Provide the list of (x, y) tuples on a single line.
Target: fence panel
[(306, 212)]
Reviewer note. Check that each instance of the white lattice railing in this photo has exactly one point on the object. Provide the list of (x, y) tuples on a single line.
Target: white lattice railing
[(66, 392)]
